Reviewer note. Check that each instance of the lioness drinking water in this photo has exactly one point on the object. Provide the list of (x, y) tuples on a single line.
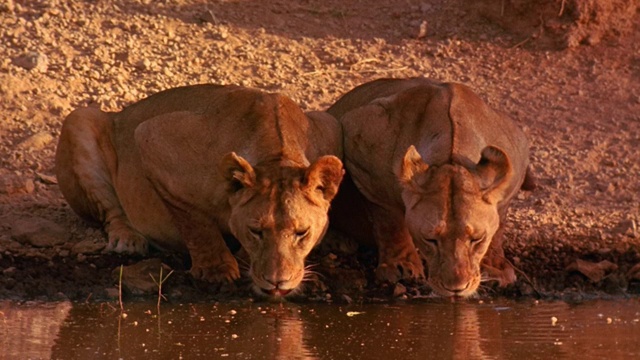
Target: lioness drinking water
[(183, 167), (437, 168)]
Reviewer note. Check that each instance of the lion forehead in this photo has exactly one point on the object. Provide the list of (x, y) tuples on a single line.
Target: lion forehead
[(283, 205), (451, 205)]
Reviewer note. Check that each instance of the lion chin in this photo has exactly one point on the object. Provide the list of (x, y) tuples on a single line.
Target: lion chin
[(276, 294), (470, 291)]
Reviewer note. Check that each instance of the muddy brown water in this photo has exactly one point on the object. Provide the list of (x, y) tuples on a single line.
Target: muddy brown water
[(416, 330)]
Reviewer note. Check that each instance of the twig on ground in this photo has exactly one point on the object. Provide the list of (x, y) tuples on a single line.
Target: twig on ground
[(521, 43), (120, 290), (526, 278), (102, 305), (374, 71), (362, 62), (561, 8), (159, 282)]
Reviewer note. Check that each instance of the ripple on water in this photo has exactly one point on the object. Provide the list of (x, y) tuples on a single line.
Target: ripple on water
[(435, 329)]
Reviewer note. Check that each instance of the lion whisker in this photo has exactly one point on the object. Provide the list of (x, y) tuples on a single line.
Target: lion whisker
[(308, 272), (243, 261), (244, 269), (312, 276), (311, 266), (486, 289), (484, 277)]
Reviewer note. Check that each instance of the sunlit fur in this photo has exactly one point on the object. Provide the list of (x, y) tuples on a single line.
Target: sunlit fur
[(280, 206), (447, 205), (188, 166)]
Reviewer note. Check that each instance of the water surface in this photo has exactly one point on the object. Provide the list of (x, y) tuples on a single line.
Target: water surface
[(415, 330)]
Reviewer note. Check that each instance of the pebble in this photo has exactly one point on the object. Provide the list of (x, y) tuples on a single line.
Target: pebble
[(36, 141), (38, 232), (7, 6), (136, 279), (88, 246), (399, 290), (11, 183), (112, 293), (32, 61)]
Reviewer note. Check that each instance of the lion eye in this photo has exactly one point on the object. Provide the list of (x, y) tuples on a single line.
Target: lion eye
[(301, 234), (476, 240), (432, 242), (257, 233)]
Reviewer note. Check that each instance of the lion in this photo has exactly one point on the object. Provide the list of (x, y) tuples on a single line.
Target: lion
[(436, 169), (184, 167)]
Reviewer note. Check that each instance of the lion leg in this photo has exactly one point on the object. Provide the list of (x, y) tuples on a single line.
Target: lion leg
[(85, 168), (211, 259), (495, 265), (397, 255)]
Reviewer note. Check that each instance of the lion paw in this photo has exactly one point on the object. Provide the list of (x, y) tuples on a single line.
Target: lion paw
[(126, 240), (216, 270), (392, 271), (505, 276)]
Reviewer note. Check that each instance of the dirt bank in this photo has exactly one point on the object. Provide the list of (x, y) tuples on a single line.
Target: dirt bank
[(580, 108)]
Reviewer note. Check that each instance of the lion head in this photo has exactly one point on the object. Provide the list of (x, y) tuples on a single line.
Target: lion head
[(279, 214), (452, 214)]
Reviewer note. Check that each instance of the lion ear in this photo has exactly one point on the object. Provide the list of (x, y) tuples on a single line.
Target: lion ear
[(412, 165), (237, 171), (495, 172), (325, 176)]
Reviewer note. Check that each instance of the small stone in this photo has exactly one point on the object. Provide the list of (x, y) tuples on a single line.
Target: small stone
[(594, 271), (627, 227), (422, 30), (7, 6), (38, 232), (88, 246), (112, 293), (47, 179), (137, 278), (144, 64), (634, 273), (36, 141), (32, 61), (11, 183), (399, 290)]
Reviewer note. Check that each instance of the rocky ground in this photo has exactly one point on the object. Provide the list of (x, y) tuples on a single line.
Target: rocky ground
[(575, 236)]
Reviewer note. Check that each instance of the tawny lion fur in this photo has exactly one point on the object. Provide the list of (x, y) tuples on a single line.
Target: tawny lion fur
[(186, 166), (436, 169)]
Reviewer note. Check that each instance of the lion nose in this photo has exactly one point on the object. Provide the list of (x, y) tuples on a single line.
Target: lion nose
[(276, 282)]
